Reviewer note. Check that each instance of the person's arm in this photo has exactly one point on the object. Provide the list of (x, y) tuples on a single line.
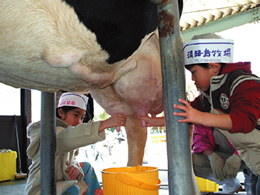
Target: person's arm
[(200, 105), (245, 106), (146, 121), (113, 121), (221, 121), (84, 134), (207, 152), (203, 140), (71, 138), (205, 144)]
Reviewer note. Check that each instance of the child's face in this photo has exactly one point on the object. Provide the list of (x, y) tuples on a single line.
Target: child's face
[(74, 117), (201, 76)]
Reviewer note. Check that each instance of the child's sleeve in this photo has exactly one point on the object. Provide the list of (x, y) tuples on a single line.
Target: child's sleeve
[(200, 104), (245, 107), (202, 139), (84, 134)]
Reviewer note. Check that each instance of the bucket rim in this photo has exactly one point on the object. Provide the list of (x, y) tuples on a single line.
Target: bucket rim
[(105, 171)]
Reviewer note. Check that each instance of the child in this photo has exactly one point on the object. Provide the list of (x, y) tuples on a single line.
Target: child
[(230, 95), (71, 134), (229, 100), (224, 163)]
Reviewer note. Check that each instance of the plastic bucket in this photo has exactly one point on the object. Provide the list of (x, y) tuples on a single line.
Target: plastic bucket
[(131, 181)]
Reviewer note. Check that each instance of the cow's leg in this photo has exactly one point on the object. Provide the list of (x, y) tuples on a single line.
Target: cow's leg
[(136, 138)]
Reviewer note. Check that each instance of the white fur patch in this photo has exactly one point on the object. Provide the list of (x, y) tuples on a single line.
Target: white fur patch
[(61, 56)]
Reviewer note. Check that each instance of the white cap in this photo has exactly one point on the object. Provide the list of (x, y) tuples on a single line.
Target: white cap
[(208, 48), (78, 100)]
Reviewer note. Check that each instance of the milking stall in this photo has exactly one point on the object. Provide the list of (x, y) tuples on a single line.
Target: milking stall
[(133, 66)]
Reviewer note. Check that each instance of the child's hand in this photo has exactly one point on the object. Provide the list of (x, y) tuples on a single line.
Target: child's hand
[(73, 172), (146, 121), (114, 121), (191, 115)]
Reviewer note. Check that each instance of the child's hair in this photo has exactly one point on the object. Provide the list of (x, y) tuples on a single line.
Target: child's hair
[(65, 110), (205, 65)]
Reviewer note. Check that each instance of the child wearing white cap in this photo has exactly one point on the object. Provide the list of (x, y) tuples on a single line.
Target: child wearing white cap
[(229, 101), (72, 177)]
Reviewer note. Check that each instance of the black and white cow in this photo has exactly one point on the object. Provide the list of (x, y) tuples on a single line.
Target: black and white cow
[(110, 48), (88, 42), (107, 47)]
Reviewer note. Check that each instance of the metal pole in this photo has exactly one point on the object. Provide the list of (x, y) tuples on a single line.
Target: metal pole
[(48, 143), (177, 134)]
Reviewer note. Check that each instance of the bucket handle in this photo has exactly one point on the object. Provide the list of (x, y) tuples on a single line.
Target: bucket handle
[(130, 181)]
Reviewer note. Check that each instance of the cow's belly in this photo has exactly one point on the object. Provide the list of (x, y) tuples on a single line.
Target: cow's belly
[(139, 91)]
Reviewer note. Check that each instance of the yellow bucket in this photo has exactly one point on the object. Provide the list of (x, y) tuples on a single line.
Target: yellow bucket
[(206, 185), (131, 181)]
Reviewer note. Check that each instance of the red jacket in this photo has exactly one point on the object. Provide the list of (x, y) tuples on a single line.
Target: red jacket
[(244, 102)]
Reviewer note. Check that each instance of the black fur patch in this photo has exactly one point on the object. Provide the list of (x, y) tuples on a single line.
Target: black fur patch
[(119, 25)]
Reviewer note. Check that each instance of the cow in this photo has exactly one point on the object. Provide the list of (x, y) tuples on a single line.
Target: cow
[(110, 48)]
